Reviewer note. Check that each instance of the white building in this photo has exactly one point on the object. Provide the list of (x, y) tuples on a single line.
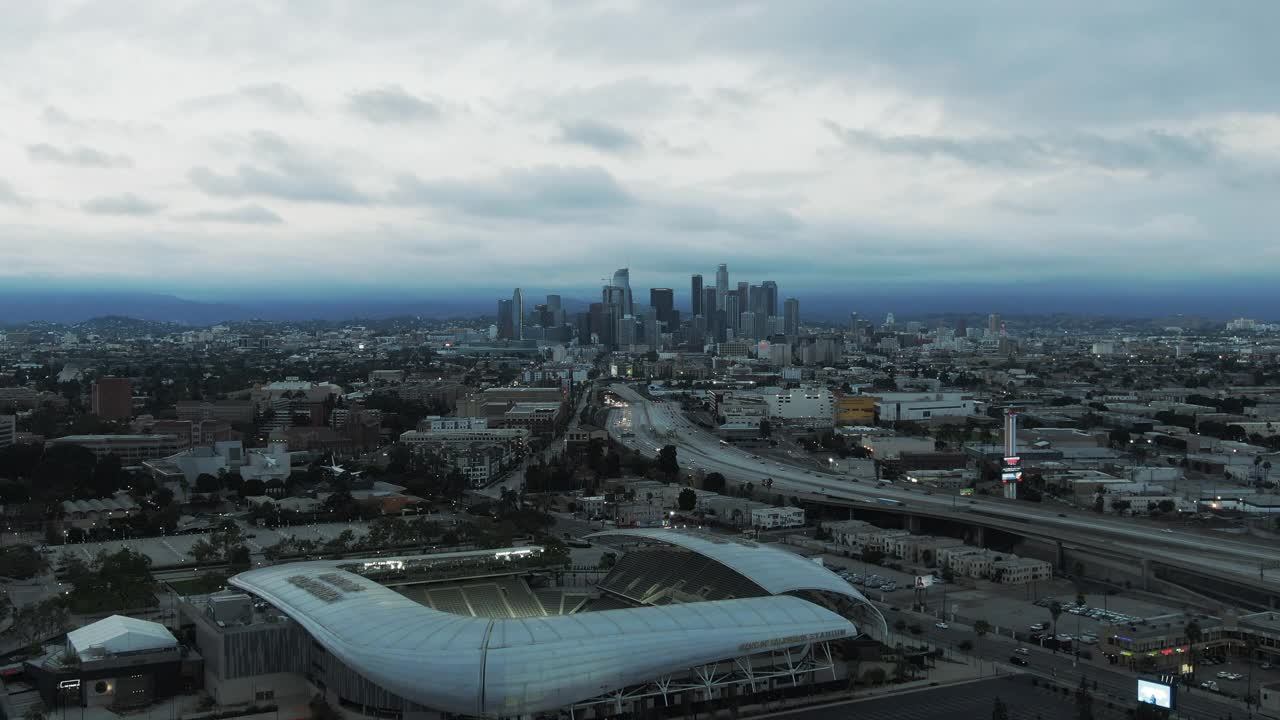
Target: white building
[(777, 517), (896, 407), (436, 423), (892, 447), (812, 403)]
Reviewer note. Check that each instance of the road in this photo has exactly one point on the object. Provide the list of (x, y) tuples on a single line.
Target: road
[(1113, 682), (647, 425)]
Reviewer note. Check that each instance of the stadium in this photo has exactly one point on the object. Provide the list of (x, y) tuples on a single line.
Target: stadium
[(679, 617)]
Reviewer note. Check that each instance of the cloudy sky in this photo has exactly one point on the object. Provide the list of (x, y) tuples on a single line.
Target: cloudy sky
[(236, 146)]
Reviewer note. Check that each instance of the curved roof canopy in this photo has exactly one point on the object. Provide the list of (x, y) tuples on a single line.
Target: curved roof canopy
[(775, 570), (502, 667), (118, 635)]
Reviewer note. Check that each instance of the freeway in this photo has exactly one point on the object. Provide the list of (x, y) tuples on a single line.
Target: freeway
[(647, 425)]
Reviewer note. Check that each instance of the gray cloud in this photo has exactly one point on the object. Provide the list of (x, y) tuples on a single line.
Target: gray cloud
[(391, 105), (286, 173), (125, 204), (273, 96), (598, 135), (57, 118), (547, 193), (79, 156), (244, 215), (9, 196), (1149, 150)]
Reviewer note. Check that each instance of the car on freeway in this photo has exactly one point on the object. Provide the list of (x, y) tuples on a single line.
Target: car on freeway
[(1037, 627), (1016, 660), (1022, 651), (941, 625), (1167, 530)]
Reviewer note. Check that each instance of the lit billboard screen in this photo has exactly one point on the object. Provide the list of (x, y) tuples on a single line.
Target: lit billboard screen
[(1154, 693)]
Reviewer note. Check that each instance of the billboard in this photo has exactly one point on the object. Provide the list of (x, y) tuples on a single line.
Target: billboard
[(1011, 469), (1154, 693), (923, 581)]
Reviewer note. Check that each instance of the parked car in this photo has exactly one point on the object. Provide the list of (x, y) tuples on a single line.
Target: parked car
[(1022, 651), (941, 625), (1037, 627), (1016, 660), (1209, 685)]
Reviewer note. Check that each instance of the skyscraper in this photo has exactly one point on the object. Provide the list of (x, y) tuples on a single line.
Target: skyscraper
[(994, 324), (662, 300), (771, 297), (732, 313), (722, 285), (695, 296), (506, 324), (517, 315), (557, 312), (744, 295), (791, 313), (622, 279)]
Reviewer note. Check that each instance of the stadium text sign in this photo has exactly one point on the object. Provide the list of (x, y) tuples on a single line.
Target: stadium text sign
[(792, 640)]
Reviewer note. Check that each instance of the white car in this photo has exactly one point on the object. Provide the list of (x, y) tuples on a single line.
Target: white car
[(941, 625), (1037, 627)]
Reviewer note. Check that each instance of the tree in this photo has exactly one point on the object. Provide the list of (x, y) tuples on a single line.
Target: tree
[(714, 482), (872, 556), (202, 551), (207, 484), (687, 500), (1194, 636), (162, 497), (667, 462), (252, 488), (766, 429), (1099, 504), (1055, 611), (999, 711), (608, 560)]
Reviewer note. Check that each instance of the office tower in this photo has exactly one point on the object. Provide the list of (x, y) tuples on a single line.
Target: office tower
[(722, 285), (709, 302), (517, 315), (695, 297), (557, 312), (506, 324), (650, 323), (732, 319), (771, 297), (112, 398), (853, 321), (889, 320), (583, 322), (961, 327), (993, 324), (744, 296), (755, 299), (791, 316), (622, 279), (663, 300)]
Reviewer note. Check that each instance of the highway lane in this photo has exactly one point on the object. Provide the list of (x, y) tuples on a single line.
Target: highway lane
[(654, 424)]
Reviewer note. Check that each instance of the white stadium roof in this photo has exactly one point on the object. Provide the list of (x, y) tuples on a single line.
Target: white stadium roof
[(776, 571), (505, 667)]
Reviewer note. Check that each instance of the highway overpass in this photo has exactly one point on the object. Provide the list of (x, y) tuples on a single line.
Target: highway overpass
[(646, 425)]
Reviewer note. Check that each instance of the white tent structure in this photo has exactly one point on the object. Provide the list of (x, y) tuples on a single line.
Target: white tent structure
[(118, 635)]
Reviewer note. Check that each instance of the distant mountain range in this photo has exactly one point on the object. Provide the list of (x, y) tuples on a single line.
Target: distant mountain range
[(73, 306)]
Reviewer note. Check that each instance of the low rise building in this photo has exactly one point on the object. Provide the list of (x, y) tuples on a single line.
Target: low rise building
[(769, 518), (131, 449)]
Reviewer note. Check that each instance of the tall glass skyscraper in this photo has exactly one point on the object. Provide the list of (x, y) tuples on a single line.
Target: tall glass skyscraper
[(622, 279), (722, 285), (695, 297)]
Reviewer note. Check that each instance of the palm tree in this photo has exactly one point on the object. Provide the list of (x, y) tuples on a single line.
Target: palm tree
[(1055, 610), (1194, 635)]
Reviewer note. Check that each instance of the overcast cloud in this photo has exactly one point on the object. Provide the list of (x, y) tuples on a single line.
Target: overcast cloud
[(819, 142)]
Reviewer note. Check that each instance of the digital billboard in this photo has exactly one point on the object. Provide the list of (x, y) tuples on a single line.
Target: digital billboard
[(1011, 469), (1154, 693)]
